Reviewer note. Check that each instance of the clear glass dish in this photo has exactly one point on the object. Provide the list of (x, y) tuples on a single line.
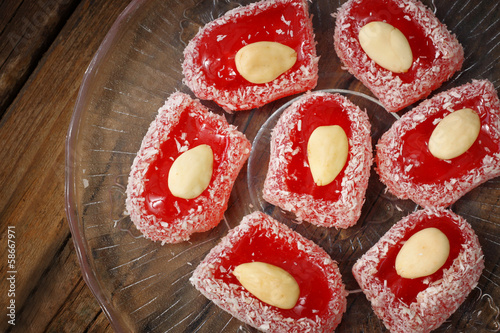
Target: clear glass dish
[(143, 286)]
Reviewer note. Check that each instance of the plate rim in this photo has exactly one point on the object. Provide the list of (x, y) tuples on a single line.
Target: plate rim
[(71, 206)]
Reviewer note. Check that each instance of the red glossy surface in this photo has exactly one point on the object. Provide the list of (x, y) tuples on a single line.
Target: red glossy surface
[(428, 169), (191, 131), (424, 52), (318, 112), (407, 289), (257, 246), (218, 49)]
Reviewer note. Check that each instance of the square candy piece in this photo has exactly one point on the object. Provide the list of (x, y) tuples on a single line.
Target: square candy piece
[(409, 300), (182, 176), (259, 238), (302, 158), (435, 52), (210, 59), (413, 168)]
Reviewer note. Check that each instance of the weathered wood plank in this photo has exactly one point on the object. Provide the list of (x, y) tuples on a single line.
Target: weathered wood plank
[(100, 325), (53, 289), (77, 314), (32, 159), (27, 29)]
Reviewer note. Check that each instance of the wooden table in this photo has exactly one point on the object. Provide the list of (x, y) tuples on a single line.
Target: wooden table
[(45, 48)]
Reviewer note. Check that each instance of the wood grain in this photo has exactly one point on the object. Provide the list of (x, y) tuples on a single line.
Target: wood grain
[(27, 29), (33, 132)]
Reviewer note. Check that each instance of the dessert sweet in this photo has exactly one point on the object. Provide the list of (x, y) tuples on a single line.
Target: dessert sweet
[(421, 270), (397, 48), (253, 55), (320, 160), (262, 261), (182, 176), (444, 147)]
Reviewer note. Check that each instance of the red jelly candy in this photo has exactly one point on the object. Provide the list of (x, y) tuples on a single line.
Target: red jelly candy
[(424, 303), (436, 52), (260, 238), (183, 124), (209, 59), (289, 183), (406, 165)]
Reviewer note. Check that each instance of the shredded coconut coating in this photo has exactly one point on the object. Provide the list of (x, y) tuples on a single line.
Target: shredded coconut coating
[(434, 304), (393, 93), (398, 178), (343, 212), (253, 95), (241, 304), (207, 209)]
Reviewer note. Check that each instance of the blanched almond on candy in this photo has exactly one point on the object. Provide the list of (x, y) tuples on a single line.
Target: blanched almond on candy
[(327, 151), (423, 254), (455, 134), (191, 172), (387, 46), (271, 284), (262, 62)]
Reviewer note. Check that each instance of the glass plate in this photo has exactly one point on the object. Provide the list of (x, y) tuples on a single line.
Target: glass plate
[(143, 286)]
